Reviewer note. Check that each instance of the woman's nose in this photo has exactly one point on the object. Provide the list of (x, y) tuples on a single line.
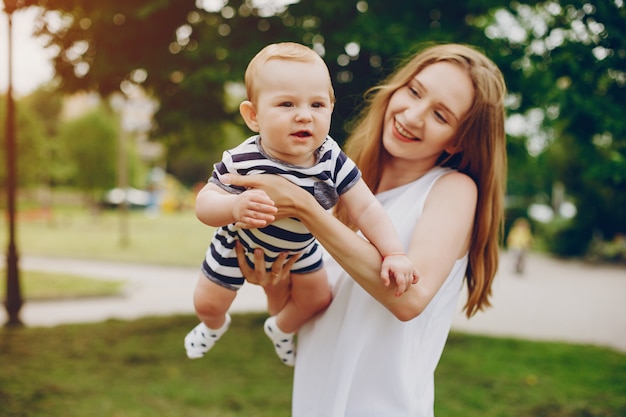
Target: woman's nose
[(415, 115)]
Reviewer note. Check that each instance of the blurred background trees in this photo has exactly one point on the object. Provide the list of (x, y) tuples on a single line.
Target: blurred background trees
[(564, 62)]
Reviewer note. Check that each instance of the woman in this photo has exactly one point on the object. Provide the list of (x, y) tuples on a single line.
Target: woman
[(431, 145)]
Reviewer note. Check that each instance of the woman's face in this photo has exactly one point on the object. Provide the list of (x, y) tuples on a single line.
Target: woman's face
[(422, 117)]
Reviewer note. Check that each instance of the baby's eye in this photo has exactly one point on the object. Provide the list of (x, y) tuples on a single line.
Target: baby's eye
[(317, 105), (286, 104)]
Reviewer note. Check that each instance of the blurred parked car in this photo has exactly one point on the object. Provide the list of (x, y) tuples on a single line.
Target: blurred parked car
[(135, 198)]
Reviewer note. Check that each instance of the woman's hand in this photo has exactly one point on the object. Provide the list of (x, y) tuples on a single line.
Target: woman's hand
[(276, 283), (287, 196)]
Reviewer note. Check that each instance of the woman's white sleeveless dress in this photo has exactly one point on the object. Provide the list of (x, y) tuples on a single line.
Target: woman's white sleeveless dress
[(356, 359)]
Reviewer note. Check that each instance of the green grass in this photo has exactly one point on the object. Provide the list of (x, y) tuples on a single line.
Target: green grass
[(138, 368), (509, 377), (170, 239), (37, 285)]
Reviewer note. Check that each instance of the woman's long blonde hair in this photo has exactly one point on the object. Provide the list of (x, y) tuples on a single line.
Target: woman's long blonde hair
[(481, 137)]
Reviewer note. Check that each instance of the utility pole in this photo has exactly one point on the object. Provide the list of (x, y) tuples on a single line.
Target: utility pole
[(13, 295)]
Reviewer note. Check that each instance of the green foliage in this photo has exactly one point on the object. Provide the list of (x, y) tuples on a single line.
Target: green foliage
[(563, 61), (569, 65), (189, 53), (566, 238), (613, 251), (42, 159), (46, 103), (91, 143), (32, 145)]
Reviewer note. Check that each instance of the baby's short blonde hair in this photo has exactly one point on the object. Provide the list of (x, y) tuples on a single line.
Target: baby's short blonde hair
[(287, 51)]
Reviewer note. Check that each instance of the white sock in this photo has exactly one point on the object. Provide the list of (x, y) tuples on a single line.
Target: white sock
[(283, 342), (201, 339)]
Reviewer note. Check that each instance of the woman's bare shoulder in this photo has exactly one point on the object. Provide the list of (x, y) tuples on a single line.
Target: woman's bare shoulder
[(456, 180), (456, 185)]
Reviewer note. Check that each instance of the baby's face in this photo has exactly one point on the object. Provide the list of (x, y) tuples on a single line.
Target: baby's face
[(293, 109)]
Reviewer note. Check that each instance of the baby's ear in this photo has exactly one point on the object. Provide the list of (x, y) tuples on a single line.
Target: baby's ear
[(248, 112)]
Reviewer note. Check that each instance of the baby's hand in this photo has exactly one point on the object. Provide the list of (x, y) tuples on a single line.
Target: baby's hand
[(399, 267), (253, 209)]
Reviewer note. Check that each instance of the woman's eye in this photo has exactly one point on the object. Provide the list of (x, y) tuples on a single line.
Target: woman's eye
[(414, 92), (439, 116)]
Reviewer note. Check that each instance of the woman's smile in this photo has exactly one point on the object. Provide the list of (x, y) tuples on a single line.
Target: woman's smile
[(403, 132)]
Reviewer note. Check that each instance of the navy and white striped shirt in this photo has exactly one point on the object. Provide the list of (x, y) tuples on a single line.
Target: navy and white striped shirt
[(332, 175)]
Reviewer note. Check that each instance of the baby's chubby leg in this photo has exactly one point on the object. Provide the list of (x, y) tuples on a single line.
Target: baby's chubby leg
[(211, 302), (310, 294)]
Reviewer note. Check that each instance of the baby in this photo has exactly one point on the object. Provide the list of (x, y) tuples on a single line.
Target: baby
[(289, 104)]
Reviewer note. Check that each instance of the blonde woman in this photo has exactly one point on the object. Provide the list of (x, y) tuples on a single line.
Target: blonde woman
[(431, 145)]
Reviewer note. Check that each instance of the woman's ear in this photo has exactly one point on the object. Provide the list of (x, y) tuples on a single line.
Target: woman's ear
[(454, 148), (248, 112)]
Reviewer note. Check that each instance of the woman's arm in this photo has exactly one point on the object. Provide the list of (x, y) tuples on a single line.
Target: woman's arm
[(441, 237)]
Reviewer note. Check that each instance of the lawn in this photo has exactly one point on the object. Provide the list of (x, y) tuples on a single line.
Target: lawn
[(170, 239), (138, 368), (37, 285)]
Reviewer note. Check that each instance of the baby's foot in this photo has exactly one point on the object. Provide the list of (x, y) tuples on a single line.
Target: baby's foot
[(201, 339), (283, 342)]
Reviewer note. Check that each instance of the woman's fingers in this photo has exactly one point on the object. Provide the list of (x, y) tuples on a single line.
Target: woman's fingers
[(277, 268), (281, 269), (259, 267), (251, 275), (241, 259), (246, 181)]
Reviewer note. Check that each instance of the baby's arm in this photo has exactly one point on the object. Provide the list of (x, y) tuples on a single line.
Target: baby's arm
[(371, 218), (250, 209)]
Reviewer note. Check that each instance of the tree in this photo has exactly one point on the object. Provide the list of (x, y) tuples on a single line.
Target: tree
[(184, 55), (570, 58), (91, 143), (30, 142), (45, 105), (563, 62)]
